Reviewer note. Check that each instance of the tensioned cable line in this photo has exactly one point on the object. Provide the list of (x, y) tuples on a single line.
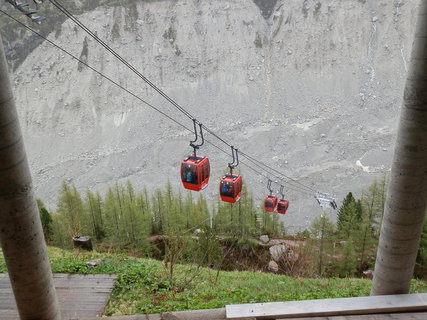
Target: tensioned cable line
[(278, 177), (260, 173), (277, 172), (134, 95), (96, 71), (162, 93), (114, 53)]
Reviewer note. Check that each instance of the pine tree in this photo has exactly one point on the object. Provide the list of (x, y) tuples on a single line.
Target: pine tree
[(93, 205), (70, 206), (347, 266), (322, 229), (46, 220), (372, 203), (349, 217), (60, 233), (112, 225)]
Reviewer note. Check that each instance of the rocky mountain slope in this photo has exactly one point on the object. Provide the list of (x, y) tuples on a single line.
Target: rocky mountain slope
[(313, 88)]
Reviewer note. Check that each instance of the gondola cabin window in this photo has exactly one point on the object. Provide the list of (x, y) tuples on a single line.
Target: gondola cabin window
[(282, 206), (270, 203), (195, 172), (230, 188)]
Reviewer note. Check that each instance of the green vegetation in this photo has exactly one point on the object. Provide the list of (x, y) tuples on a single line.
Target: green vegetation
[(125, 218), (189, 275), (144, 286)]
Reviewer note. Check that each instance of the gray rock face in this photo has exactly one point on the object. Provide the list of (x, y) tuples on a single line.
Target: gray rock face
[(313, 90)]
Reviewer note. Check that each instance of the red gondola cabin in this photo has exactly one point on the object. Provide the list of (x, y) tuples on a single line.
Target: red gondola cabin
[(230, 188), (195, 172), (282, 206), (270, 203)]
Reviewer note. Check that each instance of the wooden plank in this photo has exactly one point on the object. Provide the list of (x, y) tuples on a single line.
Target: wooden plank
[(80, 296), (382, 316), (329, 307)]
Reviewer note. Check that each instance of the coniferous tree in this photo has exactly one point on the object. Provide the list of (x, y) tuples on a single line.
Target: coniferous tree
[(322, 229), (60, 233), (46, 220), (112, 225), (93, 205), (349, 216), (372, 203), (347, 266), (71, 208), (158, 207)]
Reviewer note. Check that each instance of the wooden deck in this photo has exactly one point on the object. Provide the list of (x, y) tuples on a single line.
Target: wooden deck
[(80, 296), (392, 307), (219, 314), (346, 308)]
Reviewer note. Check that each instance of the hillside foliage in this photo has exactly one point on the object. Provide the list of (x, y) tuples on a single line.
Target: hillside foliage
[(125, 218), (193, 232)]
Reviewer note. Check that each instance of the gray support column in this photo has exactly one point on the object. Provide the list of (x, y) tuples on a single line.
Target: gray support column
[(407, 193), (21, 234)]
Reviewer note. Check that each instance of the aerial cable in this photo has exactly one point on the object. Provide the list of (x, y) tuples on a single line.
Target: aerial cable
[(261, 166), (106, 46), (98, 72), (278, 172), (158, 90), (251, 159), (133, 94), (257, 171)]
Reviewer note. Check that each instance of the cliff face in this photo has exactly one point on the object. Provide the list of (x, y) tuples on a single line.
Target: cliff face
[(313, 88)]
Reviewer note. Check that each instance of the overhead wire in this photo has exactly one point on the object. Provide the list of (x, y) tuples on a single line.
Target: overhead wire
[(114, 53), (163, 94), (256, 162), (96, 71), (277, 172)]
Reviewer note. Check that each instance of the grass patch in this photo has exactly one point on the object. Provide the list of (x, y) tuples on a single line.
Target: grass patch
[(144, 285)]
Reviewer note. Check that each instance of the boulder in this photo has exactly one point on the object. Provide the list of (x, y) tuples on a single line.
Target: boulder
[(273, 266), (277, 252), (283, 252), (94, 263), (264, 239)]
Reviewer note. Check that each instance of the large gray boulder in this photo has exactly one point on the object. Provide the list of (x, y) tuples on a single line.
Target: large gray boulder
[(282, 252)]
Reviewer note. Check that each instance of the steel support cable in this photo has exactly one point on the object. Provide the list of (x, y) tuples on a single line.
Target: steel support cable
[(258, 172), (114, 53), (278, 172), (149, 104), (158, 90), (263, 165), (278, 175), (274, 175), (97, 72)]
